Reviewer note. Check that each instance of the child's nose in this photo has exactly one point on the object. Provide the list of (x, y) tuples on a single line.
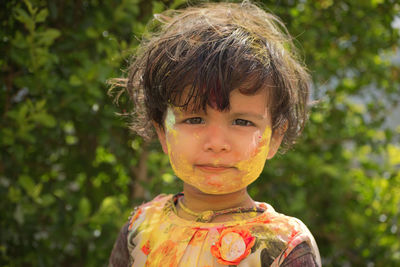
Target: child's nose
[(216, 140)]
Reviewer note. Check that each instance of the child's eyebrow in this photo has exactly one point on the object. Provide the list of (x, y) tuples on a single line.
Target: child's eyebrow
[(249, 114)]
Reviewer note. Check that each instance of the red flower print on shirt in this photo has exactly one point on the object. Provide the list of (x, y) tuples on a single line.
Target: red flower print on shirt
[(233, 245)]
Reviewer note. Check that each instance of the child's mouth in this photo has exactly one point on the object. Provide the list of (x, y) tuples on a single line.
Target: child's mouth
[(213, 168)]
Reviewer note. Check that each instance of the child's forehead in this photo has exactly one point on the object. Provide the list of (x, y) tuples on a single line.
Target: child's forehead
[(238, 100)]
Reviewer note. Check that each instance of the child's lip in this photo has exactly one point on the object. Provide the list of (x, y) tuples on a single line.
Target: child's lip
[(214, 168)]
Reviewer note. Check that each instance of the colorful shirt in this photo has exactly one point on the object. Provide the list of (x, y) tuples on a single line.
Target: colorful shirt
[(156, 236)]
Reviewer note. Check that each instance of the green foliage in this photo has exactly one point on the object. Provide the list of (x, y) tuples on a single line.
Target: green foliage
[(70, 172)]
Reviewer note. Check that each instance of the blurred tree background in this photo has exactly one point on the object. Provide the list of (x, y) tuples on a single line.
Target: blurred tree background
[(70, 171)]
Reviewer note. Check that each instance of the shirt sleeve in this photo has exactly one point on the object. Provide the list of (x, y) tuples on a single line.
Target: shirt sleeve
[(119, 254), (301, 256)]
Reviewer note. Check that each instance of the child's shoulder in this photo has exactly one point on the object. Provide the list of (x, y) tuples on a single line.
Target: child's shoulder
[(278, 223), (285, 232), (149, 209), (157, 202)]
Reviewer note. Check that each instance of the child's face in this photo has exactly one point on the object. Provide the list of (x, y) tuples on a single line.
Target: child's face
[(220, 152)]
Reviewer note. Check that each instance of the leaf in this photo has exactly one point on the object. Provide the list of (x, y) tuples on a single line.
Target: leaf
[(30, 187), (7, 137), (32, 10), (168, 178), (47, 200), (84, 210), (103, 156), (109, 205), (47, 37), (42, 15), (24, 18), (92, 33), (14, 194), (74, 80), (19, 41), (374, 3), (27, 183), (44, 119), (35, 192)]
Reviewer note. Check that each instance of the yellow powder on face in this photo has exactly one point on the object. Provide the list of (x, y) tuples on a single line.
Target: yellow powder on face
[(232, 180), (253, 166), (179, 164)]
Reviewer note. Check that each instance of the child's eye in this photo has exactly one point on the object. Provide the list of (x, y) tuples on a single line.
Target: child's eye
[(241, 122), (195, 120)]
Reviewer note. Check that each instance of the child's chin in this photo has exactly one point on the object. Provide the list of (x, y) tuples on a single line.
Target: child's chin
[(216, 184)]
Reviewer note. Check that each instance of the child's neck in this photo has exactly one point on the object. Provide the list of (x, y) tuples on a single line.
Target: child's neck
[(198, 201)]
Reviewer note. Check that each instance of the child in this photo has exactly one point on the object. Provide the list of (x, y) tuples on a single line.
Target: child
[(223, 88)]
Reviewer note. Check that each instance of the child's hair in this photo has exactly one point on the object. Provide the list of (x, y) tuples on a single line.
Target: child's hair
[(199, 55)]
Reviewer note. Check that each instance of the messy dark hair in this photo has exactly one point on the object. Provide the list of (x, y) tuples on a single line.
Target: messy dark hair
[(199, 55)]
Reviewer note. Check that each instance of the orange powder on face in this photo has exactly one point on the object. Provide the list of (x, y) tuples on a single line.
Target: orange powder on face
[(214, 180), (231, 180)]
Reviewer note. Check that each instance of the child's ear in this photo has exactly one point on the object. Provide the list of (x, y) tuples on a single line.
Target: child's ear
[(276, 140), (161, 136)]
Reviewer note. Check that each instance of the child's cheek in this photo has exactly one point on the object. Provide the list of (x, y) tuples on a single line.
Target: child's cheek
[(254, 164), (171, 135), (171, 132), (170, 121), (177, 159), (253, 148)]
